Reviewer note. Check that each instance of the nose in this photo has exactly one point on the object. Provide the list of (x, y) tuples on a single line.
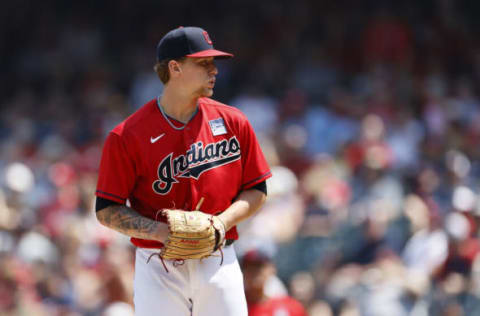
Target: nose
[(213, 69)]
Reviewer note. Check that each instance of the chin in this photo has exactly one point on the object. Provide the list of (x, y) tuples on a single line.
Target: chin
[(204, 92), (208, 92)]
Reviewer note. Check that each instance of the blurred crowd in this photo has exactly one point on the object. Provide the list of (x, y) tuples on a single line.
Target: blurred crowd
[(367, 111)]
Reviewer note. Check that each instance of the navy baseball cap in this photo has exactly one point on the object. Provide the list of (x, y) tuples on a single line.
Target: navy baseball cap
[(187, 42)]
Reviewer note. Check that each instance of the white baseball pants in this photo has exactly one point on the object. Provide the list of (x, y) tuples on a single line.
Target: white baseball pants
[(195, 288)]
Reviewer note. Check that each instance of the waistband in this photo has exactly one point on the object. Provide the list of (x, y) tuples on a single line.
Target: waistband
[(228, 242)]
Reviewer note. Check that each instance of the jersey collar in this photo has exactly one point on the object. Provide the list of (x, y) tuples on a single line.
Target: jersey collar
[(169, 119)]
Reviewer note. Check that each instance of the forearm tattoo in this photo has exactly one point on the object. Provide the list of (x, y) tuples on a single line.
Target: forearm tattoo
[(125, 220)]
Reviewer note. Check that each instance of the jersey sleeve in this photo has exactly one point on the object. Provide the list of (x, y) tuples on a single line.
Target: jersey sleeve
[(255, 167), (116, 176)]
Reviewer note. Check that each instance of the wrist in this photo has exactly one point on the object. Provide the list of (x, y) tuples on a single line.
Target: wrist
[(226, 222), (160, 232)]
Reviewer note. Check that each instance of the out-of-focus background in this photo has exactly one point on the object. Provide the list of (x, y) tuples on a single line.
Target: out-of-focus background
[(368, 113)]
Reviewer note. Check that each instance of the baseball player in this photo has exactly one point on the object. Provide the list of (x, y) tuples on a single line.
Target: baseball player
[(183, 159), (257, 267)]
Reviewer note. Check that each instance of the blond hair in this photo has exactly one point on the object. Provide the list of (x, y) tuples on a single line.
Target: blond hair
[(161, 68)]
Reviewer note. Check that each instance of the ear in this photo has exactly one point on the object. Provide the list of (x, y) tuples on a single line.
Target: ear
[(174, 68)]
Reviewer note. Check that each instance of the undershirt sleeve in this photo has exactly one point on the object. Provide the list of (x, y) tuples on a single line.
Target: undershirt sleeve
[(101, 203), (262, 187)]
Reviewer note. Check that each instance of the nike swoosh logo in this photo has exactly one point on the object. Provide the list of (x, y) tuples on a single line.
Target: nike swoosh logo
[(153, 140)]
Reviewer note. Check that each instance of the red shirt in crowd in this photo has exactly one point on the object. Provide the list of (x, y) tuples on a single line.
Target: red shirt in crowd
[(281, 306)]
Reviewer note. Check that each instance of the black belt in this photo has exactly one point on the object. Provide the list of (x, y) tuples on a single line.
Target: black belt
[(229, 242)]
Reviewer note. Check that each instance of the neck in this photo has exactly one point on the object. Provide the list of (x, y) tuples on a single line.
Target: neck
[(256, 298), (178, 106)]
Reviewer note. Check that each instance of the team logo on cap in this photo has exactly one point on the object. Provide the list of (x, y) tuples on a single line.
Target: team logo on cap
[(198, 159), (207, 38)]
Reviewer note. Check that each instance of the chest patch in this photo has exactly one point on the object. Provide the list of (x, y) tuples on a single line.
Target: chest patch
[(217, 126), (196, 160)]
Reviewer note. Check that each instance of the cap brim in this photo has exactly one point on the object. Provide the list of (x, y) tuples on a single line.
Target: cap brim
[(211, 53)]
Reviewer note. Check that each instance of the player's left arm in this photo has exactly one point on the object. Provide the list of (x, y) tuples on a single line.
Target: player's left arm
[(247, 203), (254, 170)]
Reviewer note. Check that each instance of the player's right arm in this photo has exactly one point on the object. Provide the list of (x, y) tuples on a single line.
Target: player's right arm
[(116, 179), (127, 221)]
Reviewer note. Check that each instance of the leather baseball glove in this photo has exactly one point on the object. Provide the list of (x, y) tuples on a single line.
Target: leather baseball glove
[(192, 235)]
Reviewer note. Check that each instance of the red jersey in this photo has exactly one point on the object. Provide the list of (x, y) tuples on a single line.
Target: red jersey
[(284, 306), (156, 163)]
